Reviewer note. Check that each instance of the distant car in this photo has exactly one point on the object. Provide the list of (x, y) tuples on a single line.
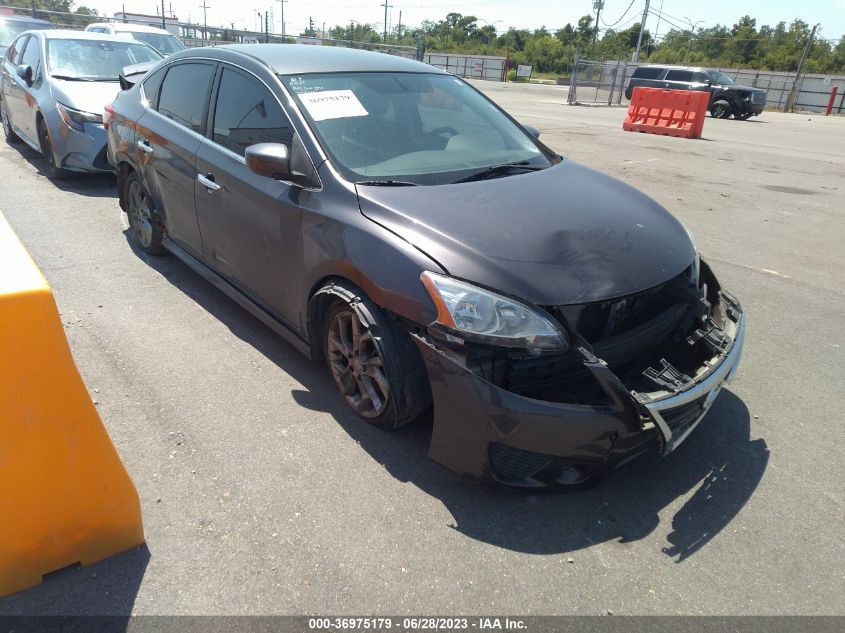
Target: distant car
[(13, 25), (163, 41), (726, 97), (386, 217), (55, 85)]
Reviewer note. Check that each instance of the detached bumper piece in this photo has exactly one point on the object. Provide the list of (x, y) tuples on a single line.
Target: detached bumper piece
[(645, 375)]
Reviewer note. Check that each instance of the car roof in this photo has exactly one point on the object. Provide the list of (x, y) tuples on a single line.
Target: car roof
[(24, 18), (674, 67), (64, 34), (295, 59), (129, 26)]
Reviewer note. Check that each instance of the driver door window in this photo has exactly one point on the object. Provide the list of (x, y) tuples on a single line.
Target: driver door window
[(247, 113)]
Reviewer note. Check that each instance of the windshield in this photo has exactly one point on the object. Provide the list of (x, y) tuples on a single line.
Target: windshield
[(164, 44), (415, 128), (10, 29), (95, 60), (719, 78)]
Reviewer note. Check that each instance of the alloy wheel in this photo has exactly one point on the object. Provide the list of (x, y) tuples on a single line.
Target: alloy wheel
[(140, 214), (356, 365)]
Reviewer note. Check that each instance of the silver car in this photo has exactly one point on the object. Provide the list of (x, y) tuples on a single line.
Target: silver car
[(55, 85)]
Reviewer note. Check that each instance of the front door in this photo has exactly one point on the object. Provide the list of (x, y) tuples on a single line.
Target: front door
[(250, 224)]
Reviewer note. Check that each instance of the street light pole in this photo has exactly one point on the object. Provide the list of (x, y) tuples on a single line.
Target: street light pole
[(691, 34), (283, 18), (163, 23), (598, 5)]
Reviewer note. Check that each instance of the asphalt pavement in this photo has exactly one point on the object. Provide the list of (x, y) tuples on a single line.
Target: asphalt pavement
[(262, 494)]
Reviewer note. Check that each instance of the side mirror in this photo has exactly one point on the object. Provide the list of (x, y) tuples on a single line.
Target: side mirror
[(533, 131), (25, 73), (708, 82), (274, 160)]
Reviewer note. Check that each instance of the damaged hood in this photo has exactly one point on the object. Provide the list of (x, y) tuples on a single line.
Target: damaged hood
[(88, 96), (563, 235)]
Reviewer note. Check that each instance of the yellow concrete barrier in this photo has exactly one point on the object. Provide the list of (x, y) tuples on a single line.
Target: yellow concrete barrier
[(65, 496)]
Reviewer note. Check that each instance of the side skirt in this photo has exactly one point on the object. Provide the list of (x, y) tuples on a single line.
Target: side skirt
[(238, 296)]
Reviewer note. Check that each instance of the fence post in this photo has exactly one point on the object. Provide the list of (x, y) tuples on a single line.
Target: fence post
[(573, 81)]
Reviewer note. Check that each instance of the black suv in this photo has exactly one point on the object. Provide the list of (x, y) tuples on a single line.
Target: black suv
[(726, 97)]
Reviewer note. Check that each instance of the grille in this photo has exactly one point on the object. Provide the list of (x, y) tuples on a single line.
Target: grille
[(514, 465), (681, 418)]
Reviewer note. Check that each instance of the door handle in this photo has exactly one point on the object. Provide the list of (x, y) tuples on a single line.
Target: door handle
[(208, 182), (144, 146)]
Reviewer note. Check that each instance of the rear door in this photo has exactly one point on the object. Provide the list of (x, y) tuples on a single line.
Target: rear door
[(167, 137), (250, 224)]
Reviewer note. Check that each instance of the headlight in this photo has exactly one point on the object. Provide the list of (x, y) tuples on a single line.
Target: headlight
[(696, 264), (486, 317), (77, 118)]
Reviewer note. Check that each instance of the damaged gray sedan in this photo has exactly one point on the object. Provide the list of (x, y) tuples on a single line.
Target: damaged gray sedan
[(387, 218)]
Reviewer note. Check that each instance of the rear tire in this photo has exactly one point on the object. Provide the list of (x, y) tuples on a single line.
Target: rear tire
[(56, 172), (11, 137), (374, 364), (721, 110), (144, 223)]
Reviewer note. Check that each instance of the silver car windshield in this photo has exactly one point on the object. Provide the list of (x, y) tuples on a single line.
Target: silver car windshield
[(95, 60), (417, 128), (164, 44)]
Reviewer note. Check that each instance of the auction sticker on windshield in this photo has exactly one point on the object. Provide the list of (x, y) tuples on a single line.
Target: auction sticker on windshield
[(332, 104)]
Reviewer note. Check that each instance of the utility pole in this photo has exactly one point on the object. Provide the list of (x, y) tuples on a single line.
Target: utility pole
[(351, 31), (598, 5), (642, 28), (163, 23), (282, 2), (399, 28), (32, 8), (266, 28), (386, 7), (799, 74), (204, 8), (310, 26)]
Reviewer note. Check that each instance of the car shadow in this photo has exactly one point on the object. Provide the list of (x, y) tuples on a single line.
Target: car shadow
[(706, 481), (93, 185), (107, 588)]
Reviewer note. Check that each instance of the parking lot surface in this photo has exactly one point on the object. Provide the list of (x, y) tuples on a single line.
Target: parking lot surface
[(263, 494)]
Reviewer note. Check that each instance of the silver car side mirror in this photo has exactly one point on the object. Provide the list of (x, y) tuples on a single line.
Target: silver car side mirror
[(533, 131), (25, 73)]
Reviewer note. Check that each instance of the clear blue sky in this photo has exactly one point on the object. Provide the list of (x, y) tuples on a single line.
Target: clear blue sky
[(528, 14)]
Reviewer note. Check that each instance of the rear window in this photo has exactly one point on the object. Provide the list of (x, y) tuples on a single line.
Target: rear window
[(647, 73)]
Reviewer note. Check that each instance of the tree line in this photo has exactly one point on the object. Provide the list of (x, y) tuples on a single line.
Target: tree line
[(742, 45)]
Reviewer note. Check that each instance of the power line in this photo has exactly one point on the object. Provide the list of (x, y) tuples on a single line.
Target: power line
[(620, 17)]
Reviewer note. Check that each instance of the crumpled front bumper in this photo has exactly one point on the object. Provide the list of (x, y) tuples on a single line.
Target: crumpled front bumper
[(485, 432)]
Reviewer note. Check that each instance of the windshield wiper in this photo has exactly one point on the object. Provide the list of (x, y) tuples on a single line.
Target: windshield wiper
[(496, 170), (70, 78), (387, 183)]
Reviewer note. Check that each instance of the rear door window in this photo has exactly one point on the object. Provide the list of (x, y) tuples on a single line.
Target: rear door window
[(247, 113), (647, 73), (184, 94)]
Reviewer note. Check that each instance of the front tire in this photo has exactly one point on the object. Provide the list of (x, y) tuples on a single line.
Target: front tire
[(144, 224), (721, 110), (11, 137), (374, 364), (56, 172)]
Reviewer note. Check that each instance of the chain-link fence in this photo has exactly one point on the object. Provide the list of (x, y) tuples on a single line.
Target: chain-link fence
[(597, 82)]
